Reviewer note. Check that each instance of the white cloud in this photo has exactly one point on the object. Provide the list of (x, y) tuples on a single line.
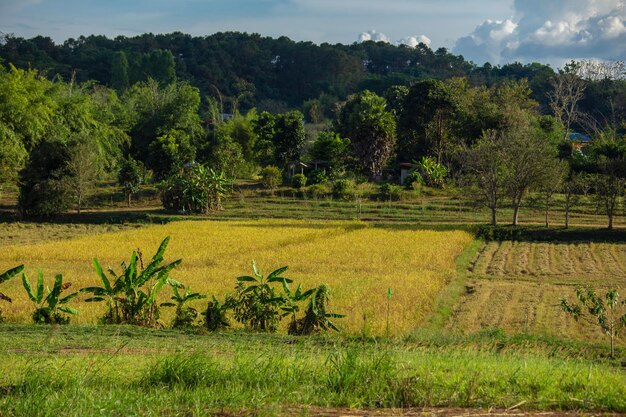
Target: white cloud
[(551, 30), (411, 41), (372, 35)]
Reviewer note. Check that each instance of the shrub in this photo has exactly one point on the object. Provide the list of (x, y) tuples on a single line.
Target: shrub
[(344, 190), (215, 315), (318, 176), (390, 192), (271, 177), (432, 171), (298, 181), (413, 180), (317, 191), (316, 316)]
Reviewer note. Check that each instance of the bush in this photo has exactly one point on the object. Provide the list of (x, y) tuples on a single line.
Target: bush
[(413, 181), (298, 181), (195, 189), (391, 192), (344, 190), (271, 177), (215, 315), (317, 191), (318, 177)]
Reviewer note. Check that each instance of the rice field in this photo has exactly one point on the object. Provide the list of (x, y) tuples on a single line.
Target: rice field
[(518, 286), (358, 261)]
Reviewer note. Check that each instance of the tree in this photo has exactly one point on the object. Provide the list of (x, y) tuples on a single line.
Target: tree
[(131, 176), (12, 155), (44, 181), (608, 313), (608, 154), (426, 119), (485, 167), (83, 169), (119, 72), (365, 120), (331, 147), (169, 153), (568, 88), (552, 179), (265, 128), (289, 137)]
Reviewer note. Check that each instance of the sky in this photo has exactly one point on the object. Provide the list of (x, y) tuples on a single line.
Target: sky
[(497, 31)]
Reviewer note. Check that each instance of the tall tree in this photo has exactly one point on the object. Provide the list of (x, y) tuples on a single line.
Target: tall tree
[(364, 120)]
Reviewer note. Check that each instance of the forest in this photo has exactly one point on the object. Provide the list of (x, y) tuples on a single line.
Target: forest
[(192, 114)]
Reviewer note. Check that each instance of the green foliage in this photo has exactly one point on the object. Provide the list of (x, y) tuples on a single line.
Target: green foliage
[(413, 180), (433, 173), (169, 153), (365, 120), (318, 176), (331, 148), (298, 181), (49, 308), (289, 137), (44, 186), (131, 176), (195, 189), (317, 191), (271, 177), (131, 297), (344, 190), (215, 315), (181, 370), (316, 317), (256, 303), (390, 192), (608, 312), (5, 276), (185, 314), (12, 155)]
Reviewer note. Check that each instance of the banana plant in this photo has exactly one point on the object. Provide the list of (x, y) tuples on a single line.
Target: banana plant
[(48, 308), (5, 276), (292, 300), (131, 298), (316, 316), (185, 315), (256, 303)]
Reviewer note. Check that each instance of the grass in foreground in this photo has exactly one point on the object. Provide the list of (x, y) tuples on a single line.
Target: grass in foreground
[(127, 371)]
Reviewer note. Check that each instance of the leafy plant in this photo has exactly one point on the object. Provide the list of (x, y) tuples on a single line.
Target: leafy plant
[(131, 298), (50, 307), (609, 313), (432, 171), (390, 192), (185, 315), (5, 276), (256, 303), (344, 190), (271, 177), (316, 316), (215, 315), (298, 181), (196, 189)]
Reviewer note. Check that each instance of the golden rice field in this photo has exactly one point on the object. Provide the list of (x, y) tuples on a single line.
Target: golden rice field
[(518, 286), (358, 262)]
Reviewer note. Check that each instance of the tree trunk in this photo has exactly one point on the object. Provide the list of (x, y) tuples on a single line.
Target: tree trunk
[(494, 219), (567, 199), (515, 213), (129, 198), (610, 214), (547, 211)]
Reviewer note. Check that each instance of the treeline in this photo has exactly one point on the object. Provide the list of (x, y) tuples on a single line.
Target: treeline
[(252, 70), (59, 135)]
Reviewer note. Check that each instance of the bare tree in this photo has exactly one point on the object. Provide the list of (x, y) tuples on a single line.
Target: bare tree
[(568, 89)]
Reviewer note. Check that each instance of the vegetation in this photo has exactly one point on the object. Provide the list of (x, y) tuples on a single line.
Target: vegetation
[(49, 308), (5, 276), (132, 297), (608, 312)]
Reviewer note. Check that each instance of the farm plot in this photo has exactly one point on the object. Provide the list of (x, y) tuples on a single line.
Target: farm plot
[(518, 286), (358, 262)]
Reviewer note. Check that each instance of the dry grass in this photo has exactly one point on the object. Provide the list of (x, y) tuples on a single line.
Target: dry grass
[(519, 285), (358, 262)]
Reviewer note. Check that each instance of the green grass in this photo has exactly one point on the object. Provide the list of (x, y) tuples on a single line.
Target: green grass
[(89, 370)]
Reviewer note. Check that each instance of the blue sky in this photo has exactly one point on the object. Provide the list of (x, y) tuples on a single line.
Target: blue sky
[(482, 30)]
